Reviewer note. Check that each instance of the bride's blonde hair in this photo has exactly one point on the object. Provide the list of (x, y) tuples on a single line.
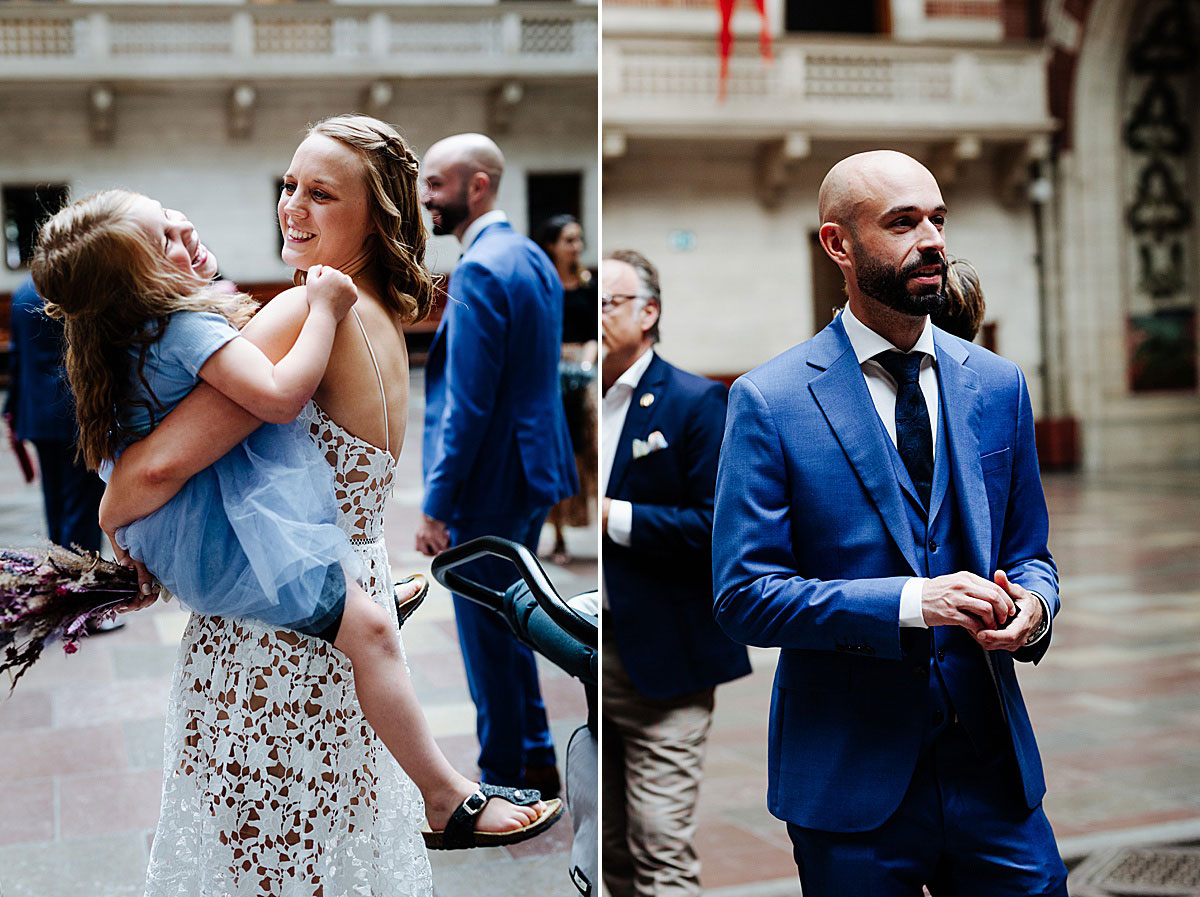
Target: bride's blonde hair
[(103, 275), (392, 174)]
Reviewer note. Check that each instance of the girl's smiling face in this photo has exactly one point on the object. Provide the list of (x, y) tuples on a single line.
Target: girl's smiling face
[(177, 237), (324, 208)]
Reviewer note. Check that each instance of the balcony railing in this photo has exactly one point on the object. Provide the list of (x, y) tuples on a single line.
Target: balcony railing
[(143, 41), (833, 88)]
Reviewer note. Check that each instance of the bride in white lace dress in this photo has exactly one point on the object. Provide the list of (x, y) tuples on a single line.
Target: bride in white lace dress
[(274, 783)]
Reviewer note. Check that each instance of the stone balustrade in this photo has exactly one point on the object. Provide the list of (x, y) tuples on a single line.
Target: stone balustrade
[(150, 41), (827, 87)]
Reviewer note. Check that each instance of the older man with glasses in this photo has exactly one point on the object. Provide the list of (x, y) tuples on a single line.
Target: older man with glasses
[(663, 653)]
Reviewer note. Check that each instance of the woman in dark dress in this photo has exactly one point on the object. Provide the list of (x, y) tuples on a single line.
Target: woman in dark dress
[(562, 239)]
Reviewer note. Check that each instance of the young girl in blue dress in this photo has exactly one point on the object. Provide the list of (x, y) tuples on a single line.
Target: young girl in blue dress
[(254, 535)]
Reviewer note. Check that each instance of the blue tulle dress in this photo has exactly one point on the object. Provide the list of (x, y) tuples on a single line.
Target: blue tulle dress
[(255, 534)]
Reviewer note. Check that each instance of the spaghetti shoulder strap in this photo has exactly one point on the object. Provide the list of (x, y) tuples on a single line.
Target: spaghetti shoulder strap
[(387, 433)]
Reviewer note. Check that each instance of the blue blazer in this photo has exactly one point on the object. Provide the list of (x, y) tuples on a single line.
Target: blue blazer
[(659, 588), (813, 543), (39, 398), (496, 441)]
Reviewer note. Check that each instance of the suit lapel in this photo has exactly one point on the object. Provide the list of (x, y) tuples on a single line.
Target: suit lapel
[(960, 399), (842, 394), (638, 420)]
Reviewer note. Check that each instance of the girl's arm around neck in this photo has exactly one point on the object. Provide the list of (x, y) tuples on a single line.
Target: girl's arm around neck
[(276, 391), (200, 430)]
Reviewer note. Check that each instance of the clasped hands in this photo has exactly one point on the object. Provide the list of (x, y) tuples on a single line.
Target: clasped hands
[(981, 607)]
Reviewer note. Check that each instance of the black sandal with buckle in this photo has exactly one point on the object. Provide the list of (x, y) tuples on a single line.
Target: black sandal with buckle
[(406, 607), (460, 834)]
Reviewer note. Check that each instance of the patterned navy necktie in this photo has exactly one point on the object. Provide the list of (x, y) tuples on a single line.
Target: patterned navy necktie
[(914, 435)]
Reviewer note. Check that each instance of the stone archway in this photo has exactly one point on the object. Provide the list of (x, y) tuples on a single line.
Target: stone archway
[(1125, 235)]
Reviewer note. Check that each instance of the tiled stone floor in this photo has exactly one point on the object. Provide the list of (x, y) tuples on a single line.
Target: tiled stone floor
[(1115, 703), (1116, 706), (81, 737)]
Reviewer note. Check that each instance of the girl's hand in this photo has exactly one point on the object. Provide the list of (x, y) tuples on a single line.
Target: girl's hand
[(148, 587), (330, 289)]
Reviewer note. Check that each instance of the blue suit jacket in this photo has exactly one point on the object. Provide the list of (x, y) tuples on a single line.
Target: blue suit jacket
[(659, 589), (40, 398), (812, 545), (496, 441)]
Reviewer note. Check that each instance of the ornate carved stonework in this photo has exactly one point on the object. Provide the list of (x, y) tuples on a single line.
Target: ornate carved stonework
[(1160, 96)]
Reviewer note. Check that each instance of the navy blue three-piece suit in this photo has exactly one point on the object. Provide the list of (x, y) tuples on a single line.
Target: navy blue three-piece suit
[(898, 756), (497, 455)]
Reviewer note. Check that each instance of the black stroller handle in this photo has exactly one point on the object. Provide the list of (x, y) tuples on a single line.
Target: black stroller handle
[(574, 624)]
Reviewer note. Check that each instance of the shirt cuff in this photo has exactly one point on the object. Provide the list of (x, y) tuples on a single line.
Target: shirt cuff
[(910, 603), (1045, 620), (620, 522)]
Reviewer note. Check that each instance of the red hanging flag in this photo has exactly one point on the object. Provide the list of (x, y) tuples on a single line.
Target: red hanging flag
[(725, 38)]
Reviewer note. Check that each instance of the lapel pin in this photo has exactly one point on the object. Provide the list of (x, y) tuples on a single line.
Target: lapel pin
[(646, 400)]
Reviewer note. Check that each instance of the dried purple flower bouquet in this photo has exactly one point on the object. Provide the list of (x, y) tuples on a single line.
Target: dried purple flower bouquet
[(53, 593)]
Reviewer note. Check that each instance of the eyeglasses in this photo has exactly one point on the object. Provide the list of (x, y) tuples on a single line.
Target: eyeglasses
[(609, 302)]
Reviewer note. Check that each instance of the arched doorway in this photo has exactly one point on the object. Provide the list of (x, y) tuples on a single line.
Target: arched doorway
[(1128, 285)]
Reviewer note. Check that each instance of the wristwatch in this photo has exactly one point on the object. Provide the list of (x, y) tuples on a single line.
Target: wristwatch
[(1044, 625)]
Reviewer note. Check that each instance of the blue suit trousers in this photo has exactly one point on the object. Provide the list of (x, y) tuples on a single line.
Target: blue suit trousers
[(510, 716), (961, 829), (71, 494)]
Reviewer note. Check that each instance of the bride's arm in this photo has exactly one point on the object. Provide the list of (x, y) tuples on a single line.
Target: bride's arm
[(201, 428)]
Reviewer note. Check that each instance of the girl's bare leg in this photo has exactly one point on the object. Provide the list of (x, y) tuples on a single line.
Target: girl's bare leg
[(368, 636)]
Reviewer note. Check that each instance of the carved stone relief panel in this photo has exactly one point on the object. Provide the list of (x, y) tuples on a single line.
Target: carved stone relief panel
[(1161, 191)]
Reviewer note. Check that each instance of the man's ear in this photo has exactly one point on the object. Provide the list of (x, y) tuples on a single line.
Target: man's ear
[(480, 186), (650, 311), (832, 237)]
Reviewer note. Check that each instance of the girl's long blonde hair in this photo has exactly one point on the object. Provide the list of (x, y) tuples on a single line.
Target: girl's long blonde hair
[(107, 279), (392, 173)]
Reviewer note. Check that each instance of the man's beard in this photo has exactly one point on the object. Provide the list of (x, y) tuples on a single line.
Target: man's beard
[(890, 286), (453, 213)]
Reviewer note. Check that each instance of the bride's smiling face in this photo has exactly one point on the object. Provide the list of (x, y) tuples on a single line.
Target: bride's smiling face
[(324, 208)]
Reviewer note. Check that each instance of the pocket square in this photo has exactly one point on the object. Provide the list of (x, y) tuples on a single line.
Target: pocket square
[(652, 443)]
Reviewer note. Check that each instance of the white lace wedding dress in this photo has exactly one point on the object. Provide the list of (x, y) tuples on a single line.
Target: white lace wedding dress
[(274, 783)]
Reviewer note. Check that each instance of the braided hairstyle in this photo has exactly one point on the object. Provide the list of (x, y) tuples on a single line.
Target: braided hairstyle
[(392, 171), (108, 281)]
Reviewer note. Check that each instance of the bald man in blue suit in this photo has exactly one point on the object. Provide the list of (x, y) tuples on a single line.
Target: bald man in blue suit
[(880, 518), (497, 453)]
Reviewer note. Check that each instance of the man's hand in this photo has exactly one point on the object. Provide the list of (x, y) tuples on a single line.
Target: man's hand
[(1017, 633), (147, 585), (432, 536), (605, 505), (966, 600)]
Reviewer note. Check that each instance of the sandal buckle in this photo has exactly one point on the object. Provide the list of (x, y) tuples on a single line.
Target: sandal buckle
[(474, 804)]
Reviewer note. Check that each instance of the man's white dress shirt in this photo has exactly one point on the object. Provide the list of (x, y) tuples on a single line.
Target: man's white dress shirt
[(616, 407)]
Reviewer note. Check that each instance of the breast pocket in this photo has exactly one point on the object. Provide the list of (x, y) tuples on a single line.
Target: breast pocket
[(993, 461), (997, 473)]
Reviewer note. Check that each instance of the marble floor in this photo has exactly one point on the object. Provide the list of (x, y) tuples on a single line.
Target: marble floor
[(81, 736), (1115, 703)]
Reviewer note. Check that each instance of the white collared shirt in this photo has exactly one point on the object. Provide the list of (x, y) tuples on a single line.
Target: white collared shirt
[(866, 344), (473, 229), (616, 407)]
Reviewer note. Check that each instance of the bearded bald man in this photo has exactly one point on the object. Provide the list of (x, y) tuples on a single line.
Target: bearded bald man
[(880, 518), (497, 453)]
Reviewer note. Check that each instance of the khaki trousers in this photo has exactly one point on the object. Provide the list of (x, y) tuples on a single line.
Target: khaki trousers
[(653, 752)]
